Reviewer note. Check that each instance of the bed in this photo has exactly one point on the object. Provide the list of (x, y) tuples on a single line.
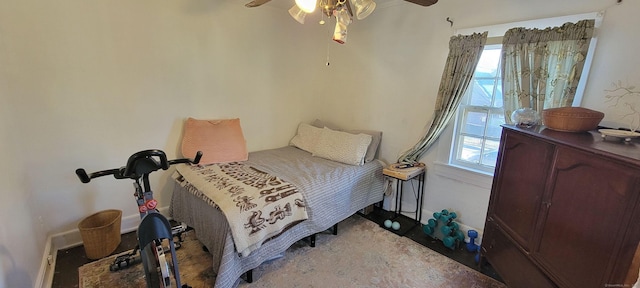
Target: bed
[(332, 191)]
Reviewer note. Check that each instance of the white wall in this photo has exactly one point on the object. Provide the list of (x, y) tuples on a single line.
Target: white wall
[(85, 84), (22, 238)]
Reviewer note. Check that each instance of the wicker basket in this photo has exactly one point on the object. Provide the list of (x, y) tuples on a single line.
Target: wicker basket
[(101, 233), (571, 119)]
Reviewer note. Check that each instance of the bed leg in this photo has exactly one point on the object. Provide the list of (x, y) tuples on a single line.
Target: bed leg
[(312, 240), (249, 276), (335, 229)]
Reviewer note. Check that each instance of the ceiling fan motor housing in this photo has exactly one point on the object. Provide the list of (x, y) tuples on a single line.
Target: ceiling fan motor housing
[(423, 2)]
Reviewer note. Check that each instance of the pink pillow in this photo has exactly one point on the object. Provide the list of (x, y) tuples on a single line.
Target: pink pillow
[(220, 141)]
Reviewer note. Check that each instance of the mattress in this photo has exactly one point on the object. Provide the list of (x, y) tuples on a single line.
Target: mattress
[(333, 191)]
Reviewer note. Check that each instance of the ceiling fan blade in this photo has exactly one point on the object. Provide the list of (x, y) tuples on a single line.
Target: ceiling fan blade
[(256, 3), (423, 2)]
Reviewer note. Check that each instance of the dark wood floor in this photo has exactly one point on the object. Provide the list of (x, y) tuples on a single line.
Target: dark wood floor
[(68, 260)]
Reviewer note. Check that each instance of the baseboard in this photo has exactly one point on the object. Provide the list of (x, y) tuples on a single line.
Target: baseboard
[(72, 238), (45, 276)]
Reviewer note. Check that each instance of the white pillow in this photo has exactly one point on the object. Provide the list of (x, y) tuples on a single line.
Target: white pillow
[(307, 137), (376, 137), (342, 146)]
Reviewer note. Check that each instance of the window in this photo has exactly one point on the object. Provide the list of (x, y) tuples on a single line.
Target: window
[(480, 115), (476, 134)]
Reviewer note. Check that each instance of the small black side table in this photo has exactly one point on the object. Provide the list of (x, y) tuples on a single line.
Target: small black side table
[(403, 175)]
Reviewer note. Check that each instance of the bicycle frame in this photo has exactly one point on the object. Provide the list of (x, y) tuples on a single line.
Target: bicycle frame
[(154, 227)]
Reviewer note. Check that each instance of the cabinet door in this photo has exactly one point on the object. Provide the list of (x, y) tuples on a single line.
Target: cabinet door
[(589, 205), (514, 266), (519, 185)]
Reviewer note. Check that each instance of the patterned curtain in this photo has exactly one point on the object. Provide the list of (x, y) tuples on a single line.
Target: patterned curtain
[(464, 54), (541, 68)]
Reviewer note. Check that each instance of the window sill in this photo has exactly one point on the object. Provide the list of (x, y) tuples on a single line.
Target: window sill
[(474, 177)]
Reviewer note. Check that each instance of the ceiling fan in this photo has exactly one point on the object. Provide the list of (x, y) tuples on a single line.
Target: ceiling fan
[(342, 10), (256, 3)]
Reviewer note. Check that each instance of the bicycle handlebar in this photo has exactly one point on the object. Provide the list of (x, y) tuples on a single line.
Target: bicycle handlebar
[(195, 160), (144, 158)]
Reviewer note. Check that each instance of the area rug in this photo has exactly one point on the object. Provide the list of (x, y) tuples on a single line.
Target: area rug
[(194, 263), (361, 255)]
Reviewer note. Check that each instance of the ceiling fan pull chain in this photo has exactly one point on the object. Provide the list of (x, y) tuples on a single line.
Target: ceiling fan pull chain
[(329, 42), (328, 63)]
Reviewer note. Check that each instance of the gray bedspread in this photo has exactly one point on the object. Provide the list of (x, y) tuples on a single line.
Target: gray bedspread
[(333, 191)]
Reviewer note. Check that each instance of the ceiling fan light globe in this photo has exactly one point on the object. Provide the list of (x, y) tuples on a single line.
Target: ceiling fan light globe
[(364, 8), (308, 6), (297, 14), (340, 33)]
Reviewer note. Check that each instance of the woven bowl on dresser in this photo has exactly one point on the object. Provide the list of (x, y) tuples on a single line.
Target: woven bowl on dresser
[(571, 119)]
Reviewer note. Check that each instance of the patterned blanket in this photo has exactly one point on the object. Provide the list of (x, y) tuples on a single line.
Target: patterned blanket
[(257, 205)]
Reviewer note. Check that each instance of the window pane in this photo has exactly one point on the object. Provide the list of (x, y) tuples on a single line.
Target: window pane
[(494, 130), (498, 97), (475, 123), (481, 92), (490, 154), (471, 148), (488, 64)]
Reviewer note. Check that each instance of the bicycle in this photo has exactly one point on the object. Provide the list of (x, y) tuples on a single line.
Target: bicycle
[(154, 229)]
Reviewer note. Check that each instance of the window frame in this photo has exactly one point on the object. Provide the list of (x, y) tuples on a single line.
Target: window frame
[(462, 115)]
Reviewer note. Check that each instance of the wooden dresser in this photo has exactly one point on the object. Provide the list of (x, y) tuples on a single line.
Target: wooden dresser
[(564, 210)]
